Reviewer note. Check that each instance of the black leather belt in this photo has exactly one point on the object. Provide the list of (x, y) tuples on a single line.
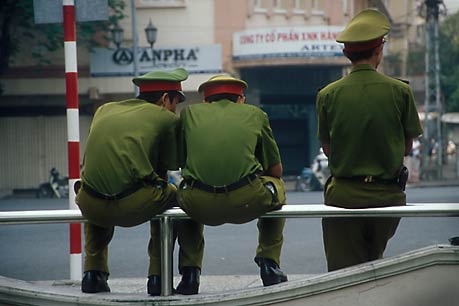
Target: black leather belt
[(118, 196), (371, 180), (222, 189)]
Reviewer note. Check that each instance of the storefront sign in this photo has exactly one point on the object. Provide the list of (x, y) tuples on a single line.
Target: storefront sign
[(199, 59), (318, 41)]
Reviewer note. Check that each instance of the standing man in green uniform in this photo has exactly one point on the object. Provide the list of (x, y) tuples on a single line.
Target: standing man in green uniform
[(232, 171), (130, 147), (366, 124)]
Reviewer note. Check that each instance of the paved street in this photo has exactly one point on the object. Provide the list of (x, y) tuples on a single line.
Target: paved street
[(41, 252)]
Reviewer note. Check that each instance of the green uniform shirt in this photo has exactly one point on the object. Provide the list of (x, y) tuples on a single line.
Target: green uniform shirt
[(128, 141), (224, 141), (365, 117)]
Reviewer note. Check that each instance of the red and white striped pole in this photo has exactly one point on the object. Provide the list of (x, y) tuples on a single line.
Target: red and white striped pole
[(73, 130)]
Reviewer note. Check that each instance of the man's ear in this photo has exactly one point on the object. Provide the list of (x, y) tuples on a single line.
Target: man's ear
[(162, 101), (379, 49)]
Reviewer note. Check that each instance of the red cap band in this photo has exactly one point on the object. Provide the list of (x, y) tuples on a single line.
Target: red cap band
[(233, 88), (358, 47), (159, 86)]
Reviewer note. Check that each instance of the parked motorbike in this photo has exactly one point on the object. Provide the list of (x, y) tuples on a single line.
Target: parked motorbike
[(314, 178), (307, 181), (55, 187), (175, 177)]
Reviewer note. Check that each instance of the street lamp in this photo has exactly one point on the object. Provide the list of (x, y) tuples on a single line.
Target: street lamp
[(151, 31), (117, 35)]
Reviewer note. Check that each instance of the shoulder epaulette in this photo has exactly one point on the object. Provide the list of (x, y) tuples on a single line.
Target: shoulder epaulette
[(402, 80), (320, 88)]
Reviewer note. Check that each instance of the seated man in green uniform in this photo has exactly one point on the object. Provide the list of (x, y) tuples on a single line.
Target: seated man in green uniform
[(366, 124), (130, 147), (232, 171)]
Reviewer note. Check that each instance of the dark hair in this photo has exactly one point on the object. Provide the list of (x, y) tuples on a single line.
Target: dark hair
[(357, 56), (222, 96), (154, 96)]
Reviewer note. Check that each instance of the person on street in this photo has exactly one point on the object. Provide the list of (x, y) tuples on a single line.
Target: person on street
[(232, 168), (366, 124), (130, 147)]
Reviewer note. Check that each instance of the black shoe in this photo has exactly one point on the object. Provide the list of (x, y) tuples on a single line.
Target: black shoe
[(270, 272), (95, 281), (190, 281), (154, 285)]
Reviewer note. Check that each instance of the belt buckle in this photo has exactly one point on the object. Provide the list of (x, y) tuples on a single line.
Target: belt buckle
[(368, 179)]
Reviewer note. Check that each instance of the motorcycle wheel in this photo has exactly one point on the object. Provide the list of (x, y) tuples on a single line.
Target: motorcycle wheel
[(44, 191), (303, 185), (316, 185), (64, 191)]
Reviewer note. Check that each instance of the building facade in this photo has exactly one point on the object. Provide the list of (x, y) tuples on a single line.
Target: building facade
[(33, 124), (284, 49)]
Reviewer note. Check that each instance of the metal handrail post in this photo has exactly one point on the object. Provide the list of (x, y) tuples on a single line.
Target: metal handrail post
[(166, 255)]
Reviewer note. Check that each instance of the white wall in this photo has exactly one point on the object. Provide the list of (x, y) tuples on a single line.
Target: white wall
[(192, 24)]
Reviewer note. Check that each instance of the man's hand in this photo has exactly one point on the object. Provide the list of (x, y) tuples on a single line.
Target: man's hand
[(274, 171), (326, 148), (408, 146)]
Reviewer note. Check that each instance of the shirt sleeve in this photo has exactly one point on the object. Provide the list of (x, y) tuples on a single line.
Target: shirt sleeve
[(267, 151), (323, 132), (410, 118)]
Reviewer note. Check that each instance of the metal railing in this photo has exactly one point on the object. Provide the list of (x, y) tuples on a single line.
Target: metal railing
[(287, 211)]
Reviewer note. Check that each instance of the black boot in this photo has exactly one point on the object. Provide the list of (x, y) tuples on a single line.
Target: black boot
[(270, 272), (190, 281), (95, 281), (154, 285)]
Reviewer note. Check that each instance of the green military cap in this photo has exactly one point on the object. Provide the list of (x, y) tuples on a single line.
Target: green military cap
[(222, 84), (365, 31), (162, 81)]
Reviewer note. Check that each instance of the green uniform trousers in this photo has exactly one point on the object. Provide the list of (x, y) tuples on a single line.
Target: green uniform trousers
[(135, 209), (351, 241), (241, 206)]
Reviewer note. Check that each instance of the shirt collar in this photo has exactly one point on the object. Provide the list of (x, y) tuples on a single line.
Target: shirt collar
[(223, 101), (361, 67)]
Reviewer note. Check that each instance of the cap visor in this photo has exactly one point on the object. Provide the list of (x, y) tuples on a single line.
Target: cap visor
[(182, 96)]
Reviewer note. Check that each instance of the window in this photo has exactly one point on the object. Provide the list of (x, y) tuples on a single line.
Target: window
[(299, 6), (262, 5), (272, 6), (318, 6), (281, 6)]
